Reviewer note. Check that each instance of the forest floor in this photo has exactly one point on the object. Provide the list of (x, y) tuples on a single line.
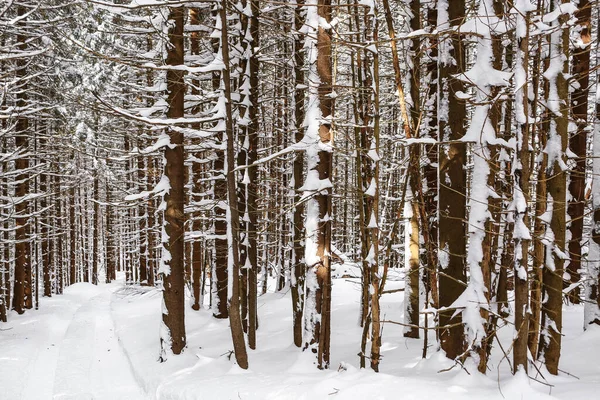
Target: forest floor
[(102, 343), (68, 349)]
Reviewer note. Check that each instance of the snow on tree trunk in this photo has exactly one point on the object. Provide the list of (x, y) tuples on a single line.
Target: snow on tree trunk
[(232, 217), (521, 191), (452, 177), (592, 295), (298, 264), (317, 187), (172, 331), (578, 145), (413, 202), (474, 301), (555, 235)]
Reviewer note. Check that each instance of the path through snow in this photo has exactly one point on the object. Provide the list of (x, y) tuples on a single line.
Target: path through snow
[(67, 350)]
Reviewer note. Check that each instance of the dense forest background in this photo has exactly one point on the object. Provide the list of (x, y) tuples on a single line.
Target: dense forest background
[(220, 150)]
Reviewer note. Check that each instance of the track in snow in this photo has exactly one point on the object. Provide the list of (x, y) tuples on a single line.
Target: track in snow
[(90, 363)]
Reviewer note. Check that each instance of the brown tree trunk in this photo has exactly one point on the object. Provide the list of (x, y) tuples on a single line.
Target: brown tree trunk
[(174, 339), (491, 240), (539, 135), (58, 248), (143, 221), (109, 241), (151, 173), (368, 182), (220, 274), (521, 196), (298, 266), (72, 238), (252, 197), (430, 173), (152, 234), (126, 259), (197, 249), (592, 305), (361, 77), (235, 318), (95, 222), (45, 233), (452, 192), (22, 298), (578, 145), (550, 340), (318, 281), (4, 248), (412, 308)]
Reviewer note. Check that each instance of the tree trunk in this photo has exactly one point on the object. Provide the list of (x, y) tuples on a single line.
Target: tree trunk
[(578, 145), (197, 248), (173, 338), (592, 304), (220, 274), (143, 220), (22, 277), (298, 265), (235, 319), (550, 340), (412, 292), (452, 188), (538, 135), (95, 218), (58, 248), (317, 318), (521, 195), (72, 238)]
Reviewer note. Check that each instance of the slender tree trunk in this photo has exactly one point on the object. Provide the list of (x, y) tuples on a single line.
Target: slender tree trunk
[(45, 233), (72, 238), (152, 234), (364, 167), (253, 137), (298, 264), (361, 77), (376, 330), (197, 249), (521, 195), (592, 304), (109, 241), (173, 338), (143, 221), (4, 248), (430, 173), (151, 174), (58, 255), (22, 277), (492, 227), (220, 275), (317, 317), (95, 221), (550, 340), (412, 292), (452, 187), (578, 144), (538, 135), (235, 318)]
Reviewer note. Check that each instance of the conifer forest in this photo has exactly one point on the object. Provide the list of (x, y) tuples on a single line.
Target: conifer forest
[(299, 199)]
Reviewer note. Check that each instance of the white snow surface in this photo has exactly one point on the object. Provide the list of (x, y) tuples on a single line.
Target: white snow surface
[(68, 349), (102, 343)]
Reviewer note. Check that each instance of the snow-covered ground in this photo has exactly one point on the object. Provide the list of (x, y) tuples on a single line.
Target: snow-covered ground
[(102, 343), (66, 350)]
